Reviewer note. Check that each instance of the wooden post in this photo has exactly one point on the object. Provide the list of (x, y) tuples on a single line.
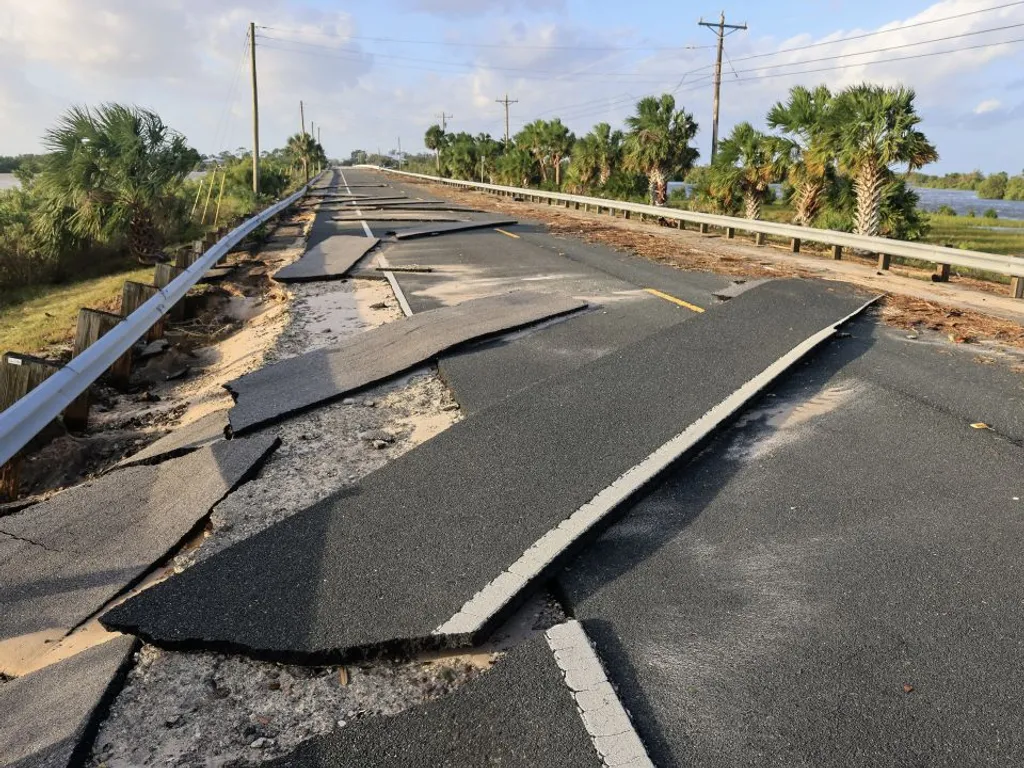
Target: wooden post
[(703, 228), (759, 238), (941, 274), (730, 233), (19, 375), (185, 259), (884, 260), (133, 296), (163, 275), (93, 324), (794, 245), (837, 252), (1017, 287)]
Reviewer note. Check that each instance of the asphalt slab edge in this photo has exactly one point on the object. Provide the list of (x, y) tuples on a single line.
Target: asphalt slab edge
[(431, 360), (84, 746), (253, 470)]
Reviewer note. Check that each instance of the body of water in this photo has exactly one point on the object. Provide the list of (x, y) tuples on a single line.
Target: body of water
[(960, 200), (8, 180)]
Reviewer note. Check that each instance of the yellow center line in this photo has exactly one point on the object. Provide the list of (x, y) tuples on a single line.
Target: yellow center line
[(674, 300), (506, 233)]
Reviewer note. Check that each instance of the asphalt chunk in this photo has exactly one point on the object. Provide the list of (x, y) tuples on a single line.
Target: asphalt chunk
[(197, 434), (383, 565), (518, 713), (431, 230), (64, 558), (330, 259), (299, 383), (49, 717)]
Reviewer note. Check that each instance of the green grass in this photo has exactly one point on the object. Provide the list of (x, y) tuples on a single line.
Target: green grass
[(33, 318), (973, 235)]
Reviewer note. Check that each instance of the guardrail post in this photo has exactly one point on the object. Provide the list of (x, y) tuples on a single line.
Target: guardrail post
[(884, 260), (133, 296), (625, 214), (941, 274), (794, 245), (730, 233), (680, 224), (759, 238), (702, 228), (1017, 287), (837, 252), (92, 325), (19, 375), (577, 205), (163, 274)]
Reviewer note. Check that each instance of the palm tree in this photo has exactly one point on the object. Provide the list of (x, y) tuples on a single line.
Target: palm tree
[(435, 140), (515, 168), (531, 139), (876, 128), (807, 119), (658, 143), (302, 151), (557, 142), (608, 145), (109, 173), (584, 166), (462, 158), (750, 162)]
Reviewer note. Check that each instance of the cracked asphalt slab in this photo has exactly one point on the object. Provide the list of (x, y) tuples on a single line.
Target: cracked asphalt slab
[(518, 713), (184, 439), (435, 230), (66, 557), (329, 259), (47, 717), (833, 581), (380, 566), (323, 375)]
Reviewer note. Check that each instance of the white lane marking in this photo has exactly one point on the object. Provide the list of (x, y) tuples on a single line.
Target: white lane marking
[(606, 720), (388, 274), (496, 595)]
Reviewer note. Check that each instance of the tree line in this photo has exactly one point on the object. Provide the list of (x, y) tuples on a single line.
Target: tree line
[(836, 156), (995, 186), (113, 188)]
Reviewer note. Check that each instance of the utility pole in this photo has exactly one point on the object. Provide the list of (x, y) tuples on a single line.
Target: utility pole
[(506, 101), (399, 153), (302, 118), (444, 120), (719, 30), (255, 113)]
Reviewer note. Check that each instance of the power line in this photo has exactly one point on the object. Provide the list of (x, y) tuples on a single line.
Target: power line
[(880, 32), (881, 50), (517, 46), (880, 61)]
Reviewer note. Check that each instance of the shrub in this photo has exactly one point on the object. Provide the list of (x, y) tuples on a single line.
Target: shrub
[(945, 210), (991, 213)]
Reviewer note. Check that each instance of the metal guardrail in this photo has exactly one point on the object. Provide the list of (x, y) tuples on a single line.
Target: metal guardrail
[(28, 416), (1012, 266)]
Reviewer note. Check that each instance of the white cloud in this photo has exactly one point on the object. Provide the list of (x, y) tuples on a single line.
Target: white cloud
[(988, 105)]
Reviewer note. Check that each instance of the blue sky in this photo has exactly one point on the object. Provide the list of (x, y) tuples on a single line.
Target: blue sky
[(583, 61)]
